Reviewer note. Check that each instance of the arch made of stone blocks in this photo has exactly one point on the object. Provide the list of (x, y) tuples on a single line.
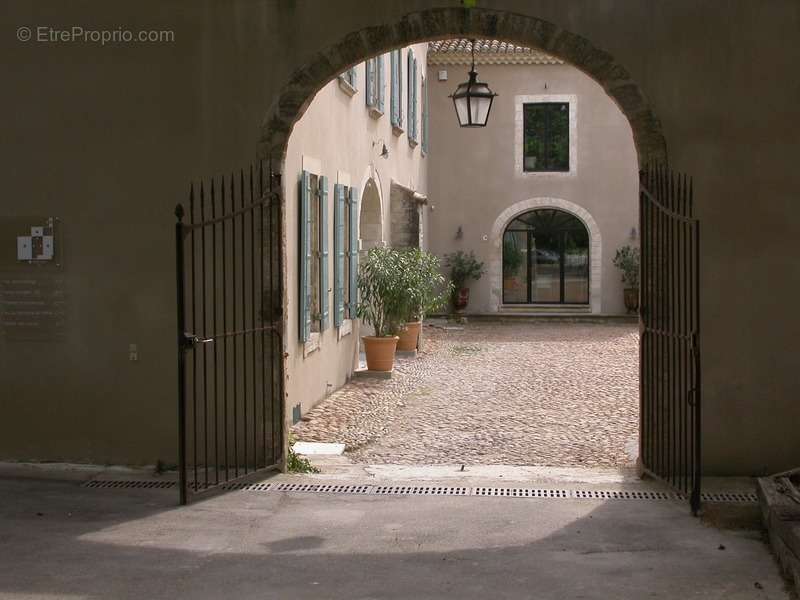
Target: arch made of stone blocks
[(495, 267), (443, 23)]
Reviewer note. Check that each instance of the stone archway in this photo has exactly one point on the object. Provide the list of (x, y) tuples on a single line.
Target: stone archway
[(442, 23), (495, 267)]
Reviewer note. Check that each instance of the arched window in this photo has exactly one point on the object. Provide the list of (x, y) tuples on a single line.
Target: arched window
[(546, 259)]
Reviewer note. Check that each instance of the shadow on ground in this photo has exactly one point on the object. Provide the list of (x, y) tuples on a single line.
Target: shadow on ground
[(62, 540)]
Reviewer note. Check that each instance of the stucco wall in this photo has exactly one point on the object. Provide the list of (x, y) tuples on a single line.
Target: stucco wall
[(488, 183), (337, 132), (107, 137)]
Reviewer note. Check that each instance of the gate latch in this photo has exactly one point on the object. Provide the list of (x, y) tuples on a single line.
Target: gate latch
[(189, 340)]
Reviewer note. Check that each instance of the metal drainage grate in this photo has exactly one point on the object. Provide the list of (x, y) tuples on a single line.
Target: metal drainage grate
[(98, 483), (624, 495), (422, 490), (247, 487), (322, 488), (519, 492), (434, 490), (737, 497)]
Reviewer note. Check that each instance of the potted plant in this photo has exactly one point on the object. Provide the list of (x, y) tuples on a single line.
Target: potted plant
[(627, 261), (423, 283), (463, 268), (382, 303)]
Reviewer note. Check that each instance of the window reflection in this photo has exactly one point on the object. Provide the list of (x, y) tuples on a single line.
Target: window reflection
[(546, 259)]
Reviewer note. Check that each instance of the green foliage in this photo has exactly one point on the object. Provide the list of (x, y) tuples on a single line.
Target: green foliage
[(627, 260), (296, 463), (424, 285), (513, 257), (463, 267), (383, 301)]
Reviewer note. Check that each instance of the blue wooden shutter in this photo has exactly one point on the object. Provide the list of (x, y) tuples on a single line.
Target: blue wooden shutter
[(369, 86), (399, 88), (353, 252), (415, 82), (339, 252), (410, 95), (395, 97), (425, 109), (324, 302), (304, 292), (380, 85)]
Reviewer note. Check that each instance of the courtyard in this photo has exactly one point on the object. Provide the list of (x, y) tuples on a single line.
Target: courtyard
[(538, 393)]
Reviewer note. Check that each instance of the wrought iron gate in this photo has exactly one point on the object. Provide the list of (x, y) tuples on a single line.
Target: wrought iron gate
[(670, 425), (229, 295)]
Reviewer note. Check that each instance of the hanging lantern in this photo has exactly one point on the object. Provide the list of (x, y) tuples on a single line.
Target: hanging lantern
[(473, 99)]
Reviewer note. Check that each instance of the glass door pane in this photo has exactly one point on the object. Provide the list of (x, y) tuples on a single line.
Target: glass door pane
[(576, 267), (515, 267), (545, 268)]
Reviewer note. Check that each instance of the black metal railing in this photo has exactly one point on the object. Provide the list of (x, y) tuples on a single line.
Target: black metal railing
[(670, 425), (229, 301)]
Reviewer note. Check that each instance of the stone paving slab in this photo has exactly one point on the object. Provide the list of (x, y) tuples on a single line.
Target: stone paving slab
[(541, 394)]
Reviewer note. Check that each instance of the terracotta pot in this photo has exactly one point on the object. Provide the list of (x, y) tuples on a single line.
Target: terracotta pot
[(409, 337), (632, 299), (380, 352), (462, 299)]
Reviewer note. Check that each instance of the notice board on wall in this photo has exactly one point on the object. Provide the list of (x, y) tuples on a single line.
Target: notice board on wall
[(33, 304)]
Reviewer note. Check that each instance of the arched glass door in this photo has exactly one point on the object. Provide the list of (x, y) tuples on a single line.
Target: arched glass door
[(546, 259)]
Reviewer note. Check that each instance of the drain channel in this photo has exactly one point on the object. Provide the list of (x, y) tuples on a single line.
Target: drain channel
[(438, 490)]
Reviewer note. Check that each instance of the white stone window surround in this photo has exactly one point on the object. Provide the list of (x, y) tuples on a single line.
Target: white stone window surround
[(495, 270), (519, 121), (346, 328), (345, 79)]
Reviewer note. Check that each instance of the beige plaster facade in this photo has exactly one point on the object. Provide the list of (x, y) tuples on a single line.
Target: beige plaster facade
[(341, 138), (486, 188)]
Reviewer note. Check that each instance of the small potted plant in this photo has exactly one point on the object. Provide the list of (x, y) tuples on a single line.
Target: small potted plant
[(423, 283), (627, 261), (463, 268), (382, 303)]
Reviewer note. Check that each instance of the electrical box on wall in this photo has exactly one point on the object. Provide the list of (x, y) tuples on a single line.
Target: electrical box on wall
[(443, 75)]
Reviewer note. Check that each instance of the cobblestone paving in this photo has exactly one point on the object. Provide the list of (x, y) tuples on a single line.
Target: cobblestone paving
[(544, 394)]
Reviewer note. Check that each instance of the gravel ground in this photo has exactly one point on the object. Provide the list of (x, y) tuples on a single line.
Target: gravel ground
[(544, 394)]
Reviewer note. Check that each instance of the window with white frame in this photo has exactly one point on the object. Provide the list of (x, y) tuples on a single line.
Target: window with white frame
[(545, 135), (375, 86)]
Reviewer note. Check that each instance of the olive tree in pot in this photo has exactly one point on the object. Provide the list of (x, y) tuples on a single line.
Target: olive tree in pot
[(382, 304), (627, 261), (463, 268), (426, 291)]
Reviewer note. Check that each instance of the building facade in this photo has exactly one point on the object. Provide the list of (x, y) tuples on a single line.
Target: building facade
[(107, 139), (361, 145), (548, 189)]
